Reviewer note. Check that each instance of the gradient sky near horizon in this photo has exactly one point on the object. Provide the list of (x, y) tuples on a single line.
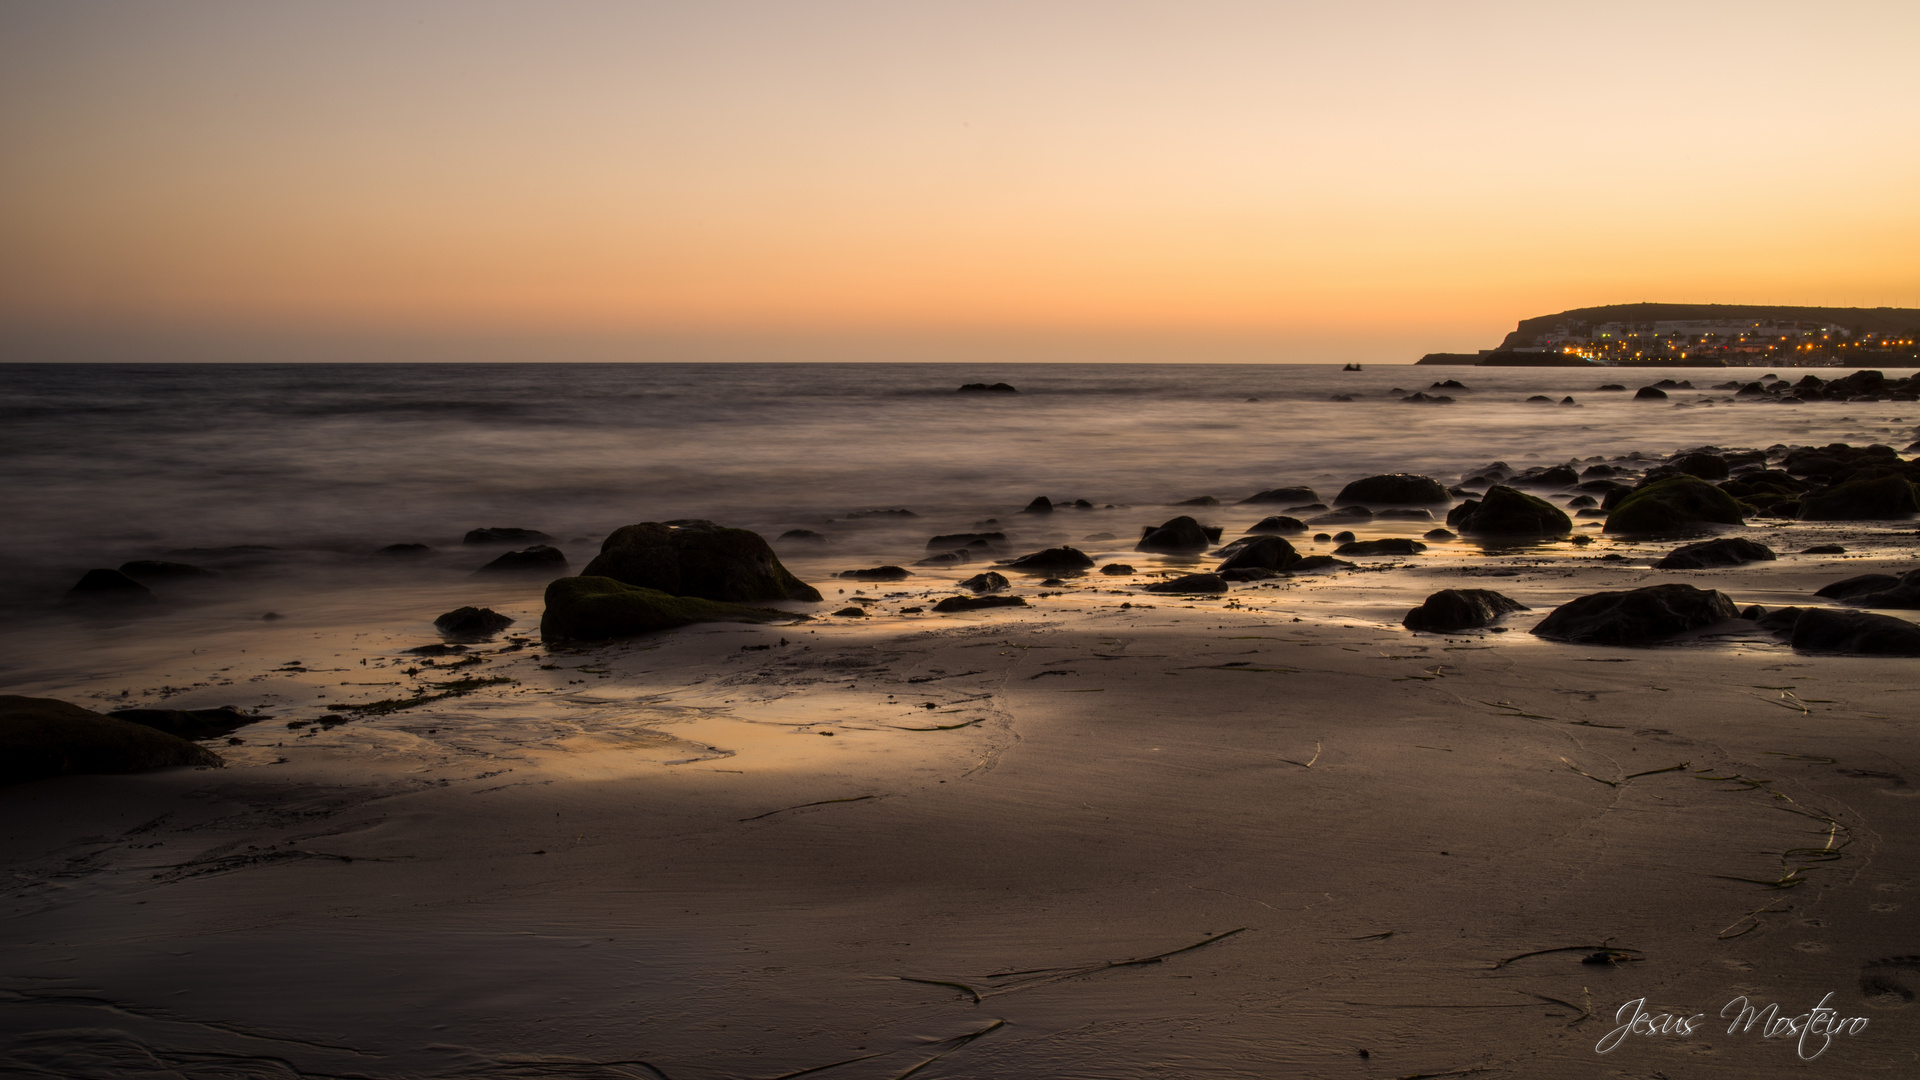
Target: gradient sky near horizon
[(1393, 171)]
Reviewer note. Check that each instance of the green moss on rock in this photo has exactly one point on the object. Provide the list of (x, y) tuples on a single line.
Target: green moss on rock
[(1677, 504)]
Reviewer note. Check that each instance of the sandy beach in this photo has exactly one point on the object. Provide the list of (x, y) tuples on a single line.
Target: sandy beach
[(1112, 834)]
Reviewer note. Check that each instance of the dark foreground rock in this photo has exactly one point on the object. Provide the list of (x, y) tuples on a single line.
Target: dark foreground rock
[(1394, 488), (700, 559), (1190, 583), (1678, 504), (599, 608), (1643, 616), (188, 723), (538, 559), (975, 603), (1726, 551), (1858, 585), (41, 737), (986, 583), (1452, 610), (1177, 536), (157, 570), (1260, 553), (103, 586), (506, 536), (1506, 511), (473, 623), (1824, 630), (1060, 558), (1396, 545)]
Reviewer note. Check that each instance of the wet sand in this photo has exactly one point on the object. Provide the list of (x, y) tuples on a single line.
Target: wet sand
[(1355, 851)]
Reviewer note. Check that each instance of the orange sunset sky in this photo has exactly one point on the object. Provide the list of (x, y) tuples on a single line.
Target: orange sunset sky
[(917, 180)]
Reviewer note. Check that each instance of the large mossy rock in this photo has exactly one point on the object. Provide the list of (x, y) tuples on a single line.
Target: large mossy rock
[(1707, 554), (598, 608), (1504, 511), (1644, 616), (41, 737), (1452, 610), (1881, 498), (1392, 488), (698, 559), (1678, 504)]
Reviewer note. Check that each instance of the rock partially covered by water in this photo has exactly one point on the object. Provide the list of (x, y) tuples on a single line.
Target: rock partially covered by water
[(1903, 594), (1824, 630), (156, 570), (1678, 504), (1040, 505), (188, 723), (975, 603), (1506, 511), (103, 586), (1319, 564), (41, 737), (1395, 545), (1644, 616), (877, 573), (986, 583), (471, 623), (1060, 558), (1260, 553), (1391, 488), (1286, 496), (1705, 466), (1452, 610), (697, 558), (1726, 551), (983, 540), (1190, 583), (1117, 569), (592, 608), (987, 388), (801, 536), (1279, 524), (1650, 393), (506, 536), (1859, 585), (537, 559), (1877, 499), (1178, 536)]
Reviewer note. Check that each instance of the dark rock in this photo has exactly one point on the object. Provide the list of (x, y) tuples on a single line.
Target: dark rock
[(1582, 502), (1095, 538), (538, 558), (877, 573), (1704, 466), (593, 608), (1421, 397), (404, 551), (188, 723), (857, 515), (1824, 549), (1279, 524), (697, 559), (1452, 610), (1877, 499), (1507, 511), (1397, 545), (1404, 515), (1181, 536), (1248, 573), (1343, 515), (1401, 488), (1060, 558), (1637, 616), (1202, 500), (153, 570), (1040, 505), (436, 649), (1568, 400), (986, 388), (987, 582), (975, 603), (852, 612), (801, 536), (1610, 386), (1321, 538), (1439, 534), (1824, 630), (41, 737), (1450, 384), (1117, 569), (506, 536), (109, 586), (1263, 552), (1319, 564), (968, 539), (956, 557), (1677, 504), (1540, 399), (1190, 583), (1726, 551), (1052, 582), (471, 623), (1650, 393), (1288, 495)]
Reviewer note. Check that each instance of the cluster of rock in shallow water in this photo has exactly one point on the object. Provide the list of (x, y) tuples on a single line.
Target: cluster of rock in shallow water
[(1767, 389)]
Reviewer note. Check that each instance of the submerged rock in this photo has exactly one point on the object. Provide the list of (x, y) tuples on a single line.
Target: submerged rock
[(103, 586), (593, 608), (1190, 583), (986, 388), (1396, 545), (42, 737), (506, 536), (1319, 564), (967, 540), (1040, 505), (1402, 488), (1201, 500), (1726, 551), (987, 582), (1506, 511), (1642, 616), (1677, 504), (1452, 610), (155, 570), (536, 559), (1287, 495), (1117, 569), (471, 623), (956, 557), (975, 603), (1060, 558), (1650, 393), (801, 536), (877, 573), (697, 558), (1279, 524)]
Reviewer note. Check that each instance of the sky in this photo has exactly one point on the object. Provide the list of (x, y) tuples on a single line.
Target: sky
[(929, 180)]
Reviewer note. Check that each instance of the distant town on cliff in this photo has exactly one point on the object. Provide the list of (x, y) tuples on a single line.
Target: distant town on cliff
[(1705, 335)]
